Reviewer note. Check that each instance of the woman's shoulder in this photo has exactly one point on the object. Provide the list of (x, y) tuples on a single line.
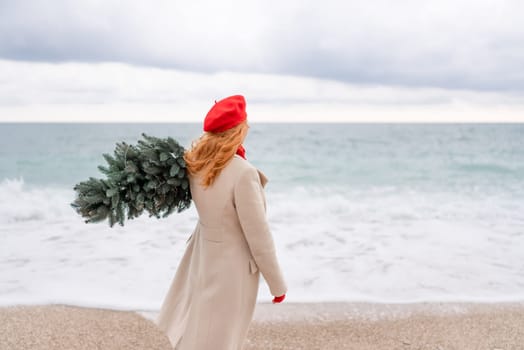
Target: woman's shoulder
[(244, 167), (241, 164)]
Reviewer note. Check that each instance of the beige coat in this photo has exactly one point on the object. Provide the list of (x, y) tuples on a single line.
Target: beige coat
[(212, 297)]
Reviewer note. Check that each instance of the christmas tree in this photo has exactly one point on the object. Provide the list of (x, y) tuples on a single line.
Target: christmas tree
[(150, 176)]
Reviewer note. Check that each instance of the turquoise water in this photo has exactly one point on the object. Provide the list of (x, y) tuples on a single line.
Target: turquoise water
[(459, 156), (374, 212)]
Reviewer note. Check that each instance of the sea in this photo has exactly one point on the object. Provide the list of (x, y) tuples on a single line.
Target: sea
[(386, 213)]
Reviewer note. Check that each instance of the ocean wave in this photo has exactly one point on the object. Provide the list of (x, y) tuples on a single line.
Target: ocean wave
[(488, 168), (21, 202), (335, 243)]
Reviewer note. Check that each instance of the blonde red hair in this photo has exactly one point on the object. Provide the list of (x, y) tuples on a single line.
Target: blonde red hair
[(212, 151)]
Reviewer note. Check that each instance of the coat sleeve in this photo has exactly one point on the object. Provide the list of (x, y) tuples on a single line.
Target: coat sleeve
[(250, 206)]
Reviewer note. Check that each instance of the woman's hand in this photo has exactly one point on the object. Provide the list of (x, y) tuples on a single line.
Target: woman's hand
[(279, 299)]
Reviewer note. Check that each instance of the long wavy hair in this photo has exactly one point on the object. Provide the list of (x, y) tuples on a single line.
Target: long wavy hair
[(212, 151)]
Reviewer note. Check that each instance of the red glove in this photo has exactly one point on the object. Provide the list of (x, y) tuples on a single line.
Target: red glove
[(279, 299)]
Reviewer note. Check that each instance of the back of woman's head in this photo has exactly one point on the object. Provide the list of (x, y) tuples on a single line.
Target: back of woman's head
[(213, 150)]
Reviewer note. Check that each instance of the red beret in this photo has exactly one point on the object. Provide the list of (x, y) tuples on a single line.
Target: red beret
[(225, 114)]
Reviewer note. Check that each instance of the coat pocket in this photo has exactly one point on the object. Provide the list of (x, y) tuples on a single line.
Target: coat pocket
[(253, 268)]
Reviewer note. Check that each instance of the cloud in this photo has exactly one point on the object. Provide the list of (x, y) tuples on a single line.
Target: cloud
[(460, 44), (89, 92)]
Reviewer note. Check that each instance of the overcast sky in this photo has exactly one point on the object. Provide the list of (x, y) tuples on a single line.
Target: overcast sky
[(374, 60)]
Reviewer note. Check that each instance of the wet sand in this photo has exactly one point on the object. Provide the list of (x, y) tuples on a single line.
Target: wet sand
[(435, 326), (386, 327)]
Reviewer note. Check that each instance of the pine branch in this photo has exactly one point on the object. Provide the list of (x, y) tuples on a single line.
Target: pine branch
[(150, 176)]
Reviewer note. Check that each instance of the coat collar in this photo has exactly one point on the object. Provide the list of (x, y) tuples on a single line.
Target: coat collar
[(263, 178)]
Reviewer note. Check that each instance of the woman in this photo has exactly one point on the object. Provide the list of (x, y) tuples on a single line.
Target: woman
[(212, 297)]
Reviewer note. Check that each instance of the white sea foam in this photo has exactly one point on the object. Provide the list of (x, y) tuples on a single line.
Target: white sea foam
[(382, 244)]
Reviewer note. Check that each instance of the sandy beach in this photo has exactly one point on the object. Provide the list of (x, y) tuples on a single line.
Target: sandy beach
[(435, 326)]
